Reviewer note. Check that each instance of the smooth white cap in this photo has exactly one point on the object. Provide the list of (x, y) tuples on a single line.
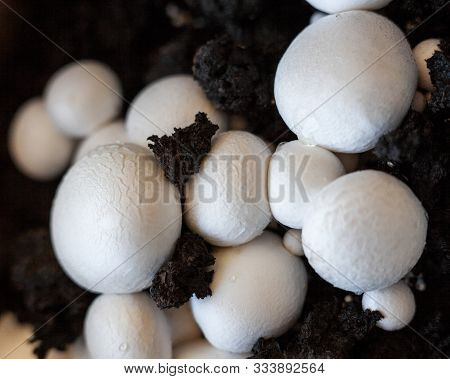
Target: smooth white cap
[(226, 202), (115, 219), (292, 241), (127, 327), (396, 304), (346, 80), (298, 172), (423, 51), (365, 231), (170, 102), (258, 290), (182, 324), (112, 133), (202, 349), (37, 147), (82, 96), (335, 6)]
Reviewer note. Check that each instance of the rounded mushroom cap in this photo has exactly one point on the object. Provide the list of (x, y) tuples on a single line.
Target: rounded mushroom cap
[(168, 103), (396, 304), (423, 51), (182, 324), (258, 290), (36, 146), (202, 349), (357, 61), (82, 96), (419, 102), (113, 133), (365, 231), (298, 172), (292, 241), (226, 202), (335, 6), (126, 327), (115, 219)]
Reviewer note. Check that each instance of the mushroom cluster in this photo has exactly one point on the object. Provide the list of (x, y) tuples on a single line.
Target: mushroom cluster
[(346, 80)]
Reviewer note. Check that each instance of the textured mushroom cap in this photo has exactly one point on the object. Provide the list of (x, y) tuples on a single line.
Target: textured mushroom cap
[(36, 146), (423, 51), (115, 219), (170, 102), (182, 324), (298, 172), (202, 349), (226, 202), (396, 303), (127, 327), (83, 95), (258, 290), (113, 133), (346, 80), (335, 6), (365, 231)]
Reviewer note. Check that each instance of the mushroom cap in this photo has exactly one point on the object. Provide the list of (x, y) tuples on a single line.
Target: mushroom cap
[(226, 202), (292, 241), (182, 324), (346, 80), (202, 349), (112, 133), (126, 327), (298, 172), (115, 219), (258, 290), (82, 96), (396, 304), (365, 231), (168, 103), (423, 51), (335, 6), (37, 147)]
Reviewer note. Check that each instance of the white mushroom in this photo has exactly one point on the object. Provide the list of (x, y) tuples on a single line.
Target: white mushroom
[(335, 6), (226, 202), (36, 146), (115, 219), (292, 241), (298, 172), (112, 133), (258, 291), (170, 102), (126, 327), (395, 303), (202, 349), (345, 81), (365, 231), (423, 51), (182, 324), (82, 96)]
